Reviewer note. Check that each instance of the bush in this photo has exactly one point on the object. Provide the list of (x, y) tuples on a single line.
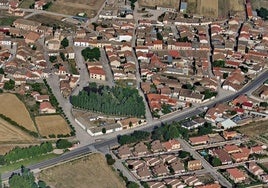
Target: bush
[(109, 159), (63, 144)]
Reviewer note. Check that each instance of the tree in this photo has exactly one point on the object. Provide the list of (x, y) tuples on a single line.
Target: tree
[(218, 63), (2, 71), (2, 161), (52, 59), (25, 179), (91, 54), (159, 36), (225, 75), (103, 130), (63, 144), (9, 85), (95, 25), (263, 13), (62, 56), (216, 161), (132, 184), (47, 5), (109, 159), (65, 42), (130, 124), (264, 104)]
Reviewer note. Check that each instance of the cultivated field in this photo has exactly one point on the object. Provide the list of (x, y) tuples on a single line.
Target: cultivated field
[(214, 8), (52, 124), (11, 134), (13, 108), (256, 4), (89, 172), (160, 3), (73, 7)]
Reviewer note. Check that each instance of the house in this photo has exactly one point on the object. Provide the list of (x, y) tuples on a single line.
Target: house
[(168, 158), (174, 183), (157, 45), (27, 25), (178, 167), (97, 73), (81, 42), (264, 94), (156, 184), (42, 98), (231, 149), (61, 71), (224, 157), (160, 170), (229, 135), (156, 146), (194, 165), (172, 145), (256, 149), (213, 185), (247, 105), (135, 164), (32, 37), (240, 156), (192, 181), (236, 175), (152, 161), (255, 169), (4, 2), (129, 123), (39, 5), (199, 140), (46, 108), (124, 152), (143, 173), (140, 149), (264, 178)]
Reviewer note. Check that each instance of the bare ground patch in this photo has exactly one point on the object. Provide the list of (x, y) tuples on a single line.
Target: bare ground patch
[(89, 172), (52, 124)]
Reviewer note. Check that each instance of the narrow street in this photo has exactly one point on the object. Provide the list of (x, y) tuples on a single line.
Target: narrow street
[(148, 113), (82, 69), (107, 68)]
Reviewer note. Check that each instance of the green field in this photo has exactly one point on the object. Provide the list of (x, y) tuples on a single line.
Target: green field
[(26, 162)]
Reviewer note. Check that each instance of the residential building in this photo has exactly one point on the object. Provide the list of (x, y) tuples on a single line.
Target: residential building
[(46, 108), (124, 152), (171, 145), (27, 25), (194, 165), (199, 140), (97, 73), (236, 175)]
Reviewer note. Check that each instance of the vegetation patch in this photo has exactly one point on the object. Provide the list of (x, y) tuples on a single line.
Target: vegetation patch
[(113, 101)]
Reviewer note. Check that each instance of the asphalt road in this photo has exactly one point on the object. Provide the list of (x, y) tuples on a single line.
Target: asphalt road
[(168, 119)]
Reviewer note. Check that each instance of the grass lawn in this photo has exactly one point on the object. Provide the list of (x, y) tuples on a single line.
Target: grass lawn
[(26, 162), (72, 66), (7, 21), (26, 3)]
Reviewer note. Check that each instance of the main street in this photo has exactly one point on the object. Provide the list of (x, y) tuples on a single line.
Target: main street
[(109, 142)]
